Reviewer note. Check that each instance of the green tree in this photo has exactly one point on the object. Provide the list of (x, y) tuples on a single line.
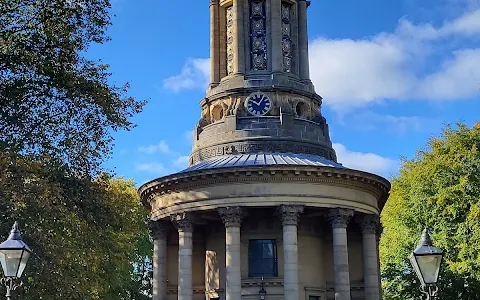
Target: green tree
[(439, 189), (53, 100), (58, 111), (86, 235)]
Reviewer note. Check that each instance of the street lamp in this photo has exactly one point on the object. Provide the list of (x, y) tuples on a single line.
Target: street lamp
[(14, 254), (262, 292), (426, 260)]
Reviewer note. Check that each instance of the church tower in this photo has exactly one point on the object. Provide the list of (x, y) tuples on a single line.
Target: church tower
[(264, 210), (260, 98)]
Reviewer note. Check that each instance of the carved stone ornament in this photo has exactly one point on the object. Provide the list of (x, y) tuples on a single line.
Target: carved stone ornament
[(183, 221), (230, 41), (290, 214), (339, 217), (286, 37), (231, 216), (159, 229), (368, 223), (258, 35), (254, 147)]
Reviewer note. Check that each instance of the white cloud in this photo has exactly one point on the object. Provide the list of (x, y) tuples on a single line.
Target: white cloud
[(352, 73), (368, 162), (347, 72), (181, 162), (160, 147), (155, 168), (466, 25), (194, 75), (458, 78), (369, 120), (170, 163)]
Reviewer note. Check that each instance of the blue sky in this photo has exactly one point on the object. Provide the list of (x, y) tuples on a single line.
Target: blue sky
[(391, 73)]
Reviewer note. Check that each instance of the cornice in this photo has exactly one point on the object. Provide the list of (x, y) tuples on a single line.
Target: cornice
[(269, 89), (373, 184)]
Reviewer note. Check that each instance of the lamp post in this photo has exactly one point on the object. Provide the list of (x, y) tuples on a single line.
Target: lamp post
[(426, 260), (14, 254), (262, 292)]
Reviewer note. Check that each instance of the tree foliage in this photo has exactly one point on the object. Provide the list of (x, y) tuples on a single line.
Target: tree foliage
[(53, 100), (58, 111), (439, 189), (86, 235)]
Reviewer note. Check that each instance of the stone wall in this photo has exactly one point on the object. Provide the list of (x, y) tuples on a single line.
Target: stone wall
[(246, 127)]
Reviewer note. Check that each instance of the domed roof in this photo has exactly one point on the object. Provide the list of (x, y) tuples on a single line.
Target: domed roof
[(263, 159)]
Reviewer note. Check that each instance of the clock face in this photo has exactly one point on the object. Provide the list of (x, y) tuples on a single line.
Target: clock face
[(258, 104)]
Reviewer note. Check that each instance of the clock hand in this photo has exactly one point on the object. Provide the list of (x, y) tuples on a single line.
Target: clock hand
[(261, 100), (257, 103)]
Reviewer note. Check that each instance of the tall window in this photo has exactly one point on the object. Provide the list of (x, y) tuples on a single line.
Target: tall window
[(262, 258)]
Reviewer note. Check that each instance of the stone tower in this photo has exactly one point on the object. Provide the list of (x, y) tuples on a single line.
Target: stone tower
[(260, 97), (264, 209)]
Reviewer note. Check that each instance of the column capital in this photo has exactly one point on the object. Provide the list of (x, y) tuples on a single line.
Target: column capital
[(369, 223), (214, 2), (158, 229), (290, 214), (183, 221), (339, 217), (231, 216)]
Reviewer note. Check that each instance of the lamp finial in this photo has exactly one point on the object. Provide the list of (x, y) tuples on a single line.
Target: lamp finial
[(425, 240), (15, 233)]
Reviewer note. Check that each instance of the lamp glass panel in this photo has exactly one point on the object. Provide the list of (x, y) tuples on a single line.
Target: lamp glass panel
[(23, 263), (4, 263), (429, 266), (413, 260), (11, 260)]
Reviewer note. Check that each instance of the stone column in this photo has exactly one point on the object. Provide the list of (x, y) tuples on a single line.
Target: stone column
[(232, 218), (276, 34), (239, 38), (159, 231), (369, 225), (303, 41), (290, 214), (339, 219), (214, 42), (184, 224)]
